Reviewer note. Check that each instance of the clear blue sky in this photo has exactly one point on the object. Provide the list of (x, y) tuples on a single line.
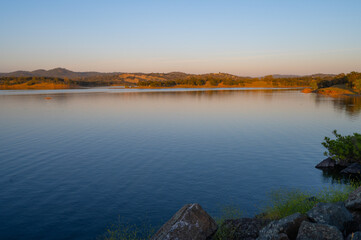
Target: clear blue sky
[(249, 37)]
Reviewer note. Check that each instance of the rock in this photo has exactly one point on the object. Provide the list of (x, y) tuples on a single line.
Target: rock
[(351, 227), (244, 228), (354, 236), (354, 168), (354, 200), (190, 222), (326, 164), (288, 225), (356, 215), (343, 164), (355, 225), (334, 214), (282, 236), (316, 231)]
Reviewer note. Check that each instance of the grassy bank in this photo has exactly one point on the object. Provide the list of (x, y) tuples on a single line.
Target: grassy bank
[(337, 91)]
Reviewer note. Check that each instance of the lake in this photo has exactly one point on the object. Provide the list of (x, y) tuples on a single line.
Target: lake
[(73, 164)]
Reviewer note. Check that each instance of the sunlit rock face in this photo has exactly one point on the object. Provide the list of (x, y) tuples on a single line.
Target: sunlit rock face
[(190, 222)]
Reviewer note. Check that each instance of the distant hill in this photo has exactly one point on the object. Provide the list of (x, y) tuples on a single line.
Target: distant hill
[(284, 76), (56, 72), (64, 78), (320, 75), (65, 73), (323, 75)]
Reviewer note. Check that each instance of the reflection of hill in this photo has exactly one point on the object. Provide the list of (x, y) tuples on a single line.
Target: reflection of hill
[(350, 105), (206, 93)]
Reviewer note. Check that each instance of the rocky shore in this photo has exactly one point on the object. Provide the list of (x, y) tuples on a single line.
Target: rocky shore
[(340, 167), (325, 221)]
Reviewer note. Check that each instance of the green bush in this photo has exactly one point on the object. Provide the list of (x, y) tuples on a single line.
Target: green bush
[(344, 148)]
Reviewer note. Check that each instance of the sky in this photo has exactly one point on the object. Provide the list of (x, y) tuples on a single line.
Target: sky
[(244, 37)]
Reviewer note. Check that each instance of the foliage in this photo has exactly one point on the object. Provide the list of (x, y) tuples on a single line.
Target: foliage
[(357, 85), (106, 80), (182, 79), (344, 148), (283, 203), (227, 212), (314, 85), (354, 81)]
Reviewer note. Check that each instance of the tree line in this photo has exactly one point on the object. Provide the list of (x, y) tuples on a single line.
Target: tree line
[(83, 82), (352, 80)]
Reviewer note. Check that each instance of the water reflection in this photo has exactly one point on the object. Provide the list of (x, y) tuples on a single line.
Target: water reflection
[(351, 105), (345, 104), (72, 164), (334, 177)]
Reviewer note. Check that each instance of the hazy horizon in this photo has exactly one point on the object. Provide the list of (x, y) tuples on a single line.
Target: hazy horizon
[(244, 38)]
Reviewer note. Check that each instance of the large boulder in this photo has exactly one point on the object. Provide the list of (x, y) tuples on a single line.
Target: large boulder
[(354, 200), (285, 227), (334, 214), (190, 222), (327, 163), (354, 168), (243, 228), (316, 231), (353, 204)]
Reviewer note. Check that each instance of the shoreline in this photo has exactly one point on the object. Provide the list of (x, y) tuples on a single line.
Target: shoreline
[(337, 91), (136, 87)]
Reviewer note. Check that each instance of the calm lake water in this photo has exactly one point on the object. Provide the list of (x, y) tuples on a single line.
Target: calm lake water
[(75, 163)]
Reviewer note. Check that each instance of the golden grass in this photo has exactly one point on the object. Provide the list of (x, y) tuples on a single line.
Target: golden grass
[(336, 91)]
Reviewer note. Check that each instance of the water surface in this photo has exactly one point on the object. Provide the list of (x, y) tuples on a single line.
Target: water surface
[(73, 164)]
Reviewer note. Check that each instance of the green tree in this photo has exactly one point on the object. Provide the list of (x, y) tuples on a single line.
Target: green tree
[(314, 84), (357, 85)]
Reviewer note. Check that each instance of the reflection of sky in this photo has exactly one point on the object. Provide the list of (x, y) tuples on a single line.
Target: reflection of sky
[(240, 37), (83, 159)]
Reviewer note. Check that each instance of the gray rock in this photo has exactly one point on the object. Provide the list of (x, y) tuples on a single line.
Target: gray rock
[(351, 227), (355, 225), (282, 236), (190, 222), (354, 168), (354, 236), (343, 164), (326, 164), (316, 231), (354, 200), (277, 229), (334, 214), (243, 228)]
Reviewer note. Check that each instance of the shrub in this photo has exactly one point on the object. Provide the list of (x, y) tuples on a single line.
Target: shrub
[(344, 148), (283, 203)]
